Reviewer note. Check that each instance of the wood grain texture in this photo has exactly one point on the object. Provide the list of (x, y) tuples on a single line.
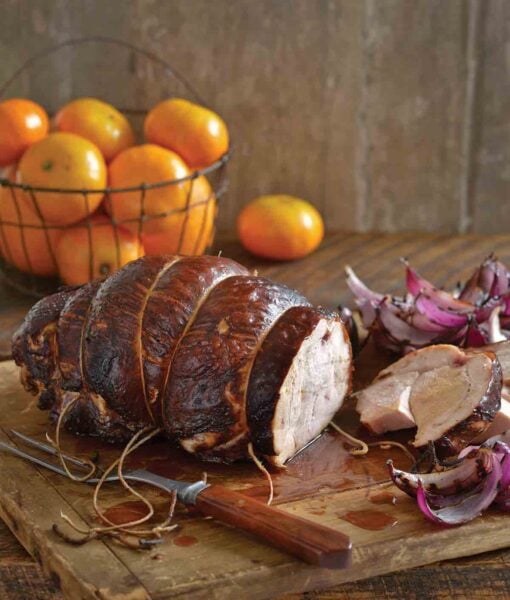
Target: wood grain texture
[(221, 560), (411, 119), (375, 257), (302, 538), (387, 115), (492, 160)]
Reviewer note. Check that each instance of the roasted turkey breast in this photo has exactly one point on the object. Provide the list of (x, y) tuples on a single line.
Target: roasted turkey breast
[(198, 346)]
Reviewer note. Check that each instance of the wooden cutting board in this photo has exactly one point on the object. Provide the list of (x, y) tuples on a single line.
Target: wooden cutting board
[(204, 559)]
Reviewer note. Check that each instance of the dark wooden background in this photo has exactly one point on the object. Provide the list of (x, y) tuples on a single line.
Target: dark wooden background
[(387, 114)]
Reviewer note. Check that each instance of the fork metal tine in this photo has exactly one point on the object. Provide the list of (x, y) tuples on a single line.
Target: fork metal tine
[(48, 449), (186, 492), (140, 475), (50, 466), (32, 458)]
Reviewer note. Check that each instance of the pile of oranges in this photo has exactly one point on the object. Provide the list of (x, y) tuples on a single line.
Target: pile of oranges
[(90, 145)]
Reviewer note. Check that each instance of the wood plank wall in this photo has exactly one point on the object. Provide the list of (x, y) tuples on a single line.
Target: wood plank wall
[(387, 114)]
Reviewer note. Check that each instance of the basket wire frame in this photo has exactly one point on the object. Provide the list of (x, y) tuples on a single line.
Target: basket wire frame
[(27, 281)]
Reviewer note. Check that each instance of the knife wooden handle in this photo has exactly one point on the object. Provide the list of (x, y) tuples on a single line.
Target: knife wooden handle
[(305, 539)]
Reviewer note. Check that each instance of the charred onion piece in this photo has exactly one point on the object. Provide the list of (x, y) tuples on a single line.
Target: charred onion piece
[(469, 506), (460, 479), (459, 494), (476, 314)]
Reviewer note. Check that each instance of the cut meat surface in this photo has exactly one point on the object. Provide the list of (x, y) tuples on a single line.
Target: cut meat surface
[(384, 405), (502, 351), (205, 400), (452, 396), (427, 359), (299, 379)]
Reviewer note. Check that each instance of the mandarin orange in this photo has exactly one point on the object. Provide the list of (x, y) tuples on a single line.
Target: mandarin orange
[(147, 164), (196, 133), (67, 162), (111, 249), (99, 122), (23, 241), (280, 227), (22, 123), (189, 234)]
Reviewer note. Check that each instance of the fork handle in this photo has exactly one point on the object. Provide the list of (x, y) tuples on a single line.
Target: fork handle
[(309, 541)]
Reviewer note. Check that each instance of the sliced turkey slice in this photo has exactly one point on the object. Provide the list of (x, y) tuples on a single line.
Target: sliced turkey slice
[(299, 379), (451, 395), (454, 404), (384, 405)]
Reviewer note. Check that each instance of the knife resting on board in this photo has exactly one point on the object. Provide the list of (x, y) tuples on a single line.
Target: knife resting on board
[(309, 541)]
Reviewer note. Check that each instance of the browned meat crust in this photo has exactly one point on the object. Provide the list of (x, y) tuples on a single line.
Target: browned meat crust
[(71, 324), (89, 415), (112, 361), (172, 303), (204, 401), (33, 346)]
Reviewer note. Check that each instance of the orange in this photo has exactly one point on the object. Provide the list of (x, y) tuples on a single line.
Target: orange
[(98, 122), (68, 162), (147, 164), (22, 123), (74, 256), (196, 133), (198, 226), (280, 227), (29, 249)]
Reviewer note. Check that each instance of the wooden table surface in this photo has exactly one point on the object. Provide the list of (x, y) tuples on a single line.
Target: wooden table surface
[(376, 258)]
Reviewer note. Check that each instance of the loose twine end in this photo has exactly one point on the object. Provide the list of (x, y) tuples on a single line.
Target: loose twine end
[(125, 533), (262, 468), (362, 447)]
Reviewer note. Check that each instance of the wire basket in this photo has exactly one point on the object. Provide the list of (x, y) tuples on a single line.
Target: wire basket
[(194, 222)]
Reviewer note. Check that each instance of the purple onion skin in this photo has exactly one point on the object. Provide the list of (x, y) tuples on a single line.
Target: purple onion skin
[(503, 497), (461, 479), (438, 315), (469, 506), (428, 315), (447, 500)]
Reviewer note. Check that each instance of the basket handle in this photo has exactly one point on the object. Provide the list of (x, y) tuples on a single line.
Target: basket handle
[(102, 40)]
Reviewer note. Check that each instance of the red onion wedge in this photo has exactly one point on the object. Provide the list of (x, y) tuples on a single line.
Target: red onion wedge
[(469, 507), (503, 497), (455, 495), (490, 279), (440, 316), (462, 478), (417, 285), (359, 289), (474, 337), (476, 315)]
